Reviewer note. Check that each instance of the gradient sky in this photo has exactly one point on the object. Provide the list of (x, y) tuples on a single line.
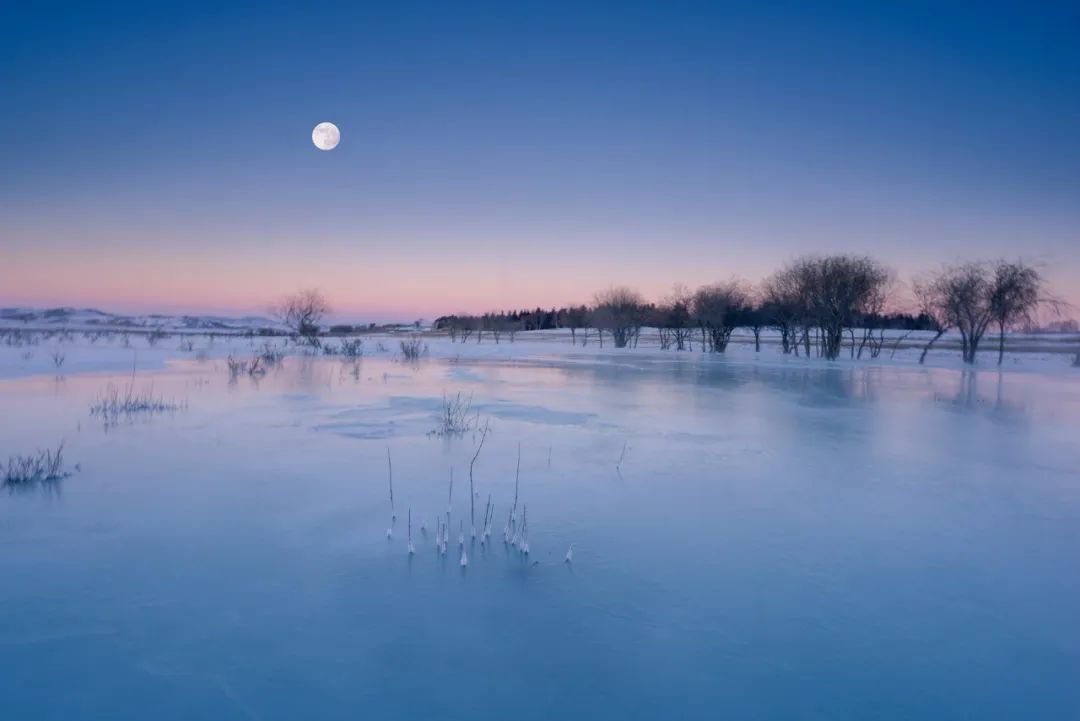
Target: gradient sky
[(157, 157)]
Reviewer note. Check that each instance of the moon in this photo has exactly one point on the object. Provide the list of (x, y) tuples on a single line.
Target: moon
[(326, 136)]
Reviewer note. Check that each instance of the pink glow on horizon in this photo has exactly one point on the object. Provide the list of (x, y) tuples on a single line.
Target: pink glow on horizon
[(373, 289)]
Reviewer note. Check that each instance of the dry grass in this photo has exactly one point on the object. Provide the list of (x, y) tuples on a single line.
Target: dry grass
[(116, 404), (413, 349), (457, 417), (25, 472)]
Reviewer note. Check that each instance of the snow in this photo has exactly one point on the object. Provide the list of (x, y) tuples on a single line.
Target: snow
[(94, 341)]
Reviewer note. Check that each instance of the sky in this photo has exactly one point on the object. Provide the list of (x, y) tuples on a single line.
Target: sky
[(158, 156)]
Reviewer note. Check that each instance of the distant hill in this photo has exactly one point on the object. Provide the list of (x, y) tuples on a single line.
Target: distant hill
[(77, 318)]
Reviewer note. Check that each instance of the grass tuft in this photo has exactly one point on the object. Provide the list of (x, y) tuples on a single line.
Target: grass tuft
[(116, 404), (26, 472), (413, 349), (457, 417)]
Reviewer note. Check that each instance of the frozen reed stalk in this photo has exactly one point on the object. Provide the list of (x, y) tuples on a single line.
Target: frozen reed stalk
[(489, 510), (517, 482), (525, 530), (464, 557), (472, 492), (26, 471), (621, 455), (390, 475), (570, 554), (412, 549), (461, 533)]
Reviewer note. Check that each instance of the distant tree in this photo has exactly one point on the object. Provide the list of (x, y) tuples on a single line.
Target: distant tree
[(930, 295), (754, 318), (833, 291), (782, 307), (574, 318), (973, 296), (302, 313), (620, 312), (716, 310), (675, 317), (869, 316), (1014, 295), (958, 296)]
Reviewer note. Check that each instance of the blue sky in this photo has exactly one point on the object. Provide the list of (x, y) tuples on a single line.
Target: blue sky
[(509, 153)]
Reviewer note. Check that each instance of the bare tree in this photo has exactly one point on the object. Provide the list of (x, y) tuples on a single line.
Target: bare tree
[(834, 290), (930, 294), (675, 314), (869, 316), (574, 318), (1014, 296), (494, 324), (716, 310), (620, 312), (302, 313), (753, 316), (781, 306), (958, 296)]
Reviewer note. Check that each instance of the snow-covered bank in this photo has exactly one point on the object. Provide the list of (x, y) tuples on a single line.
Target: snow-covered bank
[(64, 350)]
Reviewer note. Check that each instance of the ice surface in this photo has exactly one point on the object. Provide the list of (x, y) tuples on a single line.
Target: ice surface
[(781, 540)]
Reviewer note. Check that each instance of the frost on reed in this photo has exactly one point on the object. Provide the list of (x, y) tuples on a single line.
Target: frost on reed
[(270, 355), (393, 514), (116, 404), (413, 349), (26, 472), (472, 492), (515, 533), (457, 417), (256, 367), (352, 348)]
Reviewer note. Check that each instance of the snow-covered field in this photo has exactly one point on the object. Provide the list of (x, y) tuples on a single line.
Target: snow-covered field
[(754, 535), (72, 346)]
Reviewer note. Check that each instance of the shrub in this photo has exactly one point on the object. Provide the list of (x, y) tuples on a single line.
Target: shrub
[(254, 367), (352, 348), (154, 336), (271, 355), (413, 348)]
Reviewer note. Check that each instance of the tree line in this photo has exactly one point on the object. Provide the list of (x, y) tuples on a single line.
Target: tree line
[(819, 305)]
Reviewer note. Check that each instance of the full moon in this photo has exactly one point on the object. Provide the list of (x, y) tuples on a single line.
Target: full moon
[(326, 136)]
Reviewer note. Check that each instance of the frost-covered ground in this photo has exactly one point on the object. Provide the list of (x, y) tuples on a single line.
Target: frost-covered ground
[(755, 536), (42, 349)]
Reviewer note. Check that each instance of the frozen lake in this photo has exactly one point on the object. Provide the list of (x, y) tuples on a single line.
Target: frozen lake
[(779, 541)]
